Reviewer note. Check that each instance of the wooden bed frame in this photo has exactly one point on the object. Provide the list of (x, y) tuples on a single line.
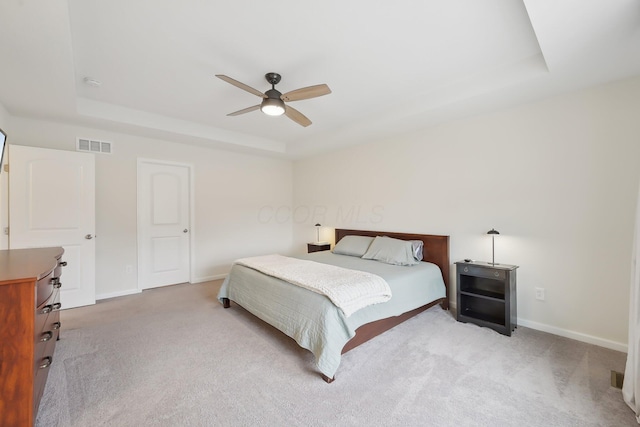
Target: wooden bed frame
[(436, 251)]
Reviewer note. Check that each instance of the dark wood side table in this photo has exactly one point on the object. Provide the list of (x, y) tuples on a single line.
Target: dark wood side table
[(486, 295), (317, 247)]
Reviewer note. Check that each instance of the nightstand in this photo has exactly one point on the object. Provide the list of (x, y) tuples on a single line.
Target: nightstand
[(317, 247), (486, 295)]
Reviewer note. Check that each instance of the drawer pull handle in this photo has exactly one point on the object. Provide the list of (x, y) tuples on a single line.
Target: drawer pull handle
[(58, 284), (55, 282), (466, 269), (57, 306), (497, 274), (46, 309), (63, 263), (56, 326), (46, 362), (46, 336)]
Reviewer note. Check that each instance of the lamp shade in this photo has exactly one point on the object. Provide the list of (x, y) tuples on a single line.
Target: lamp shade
[(493, 231), (272, 107)]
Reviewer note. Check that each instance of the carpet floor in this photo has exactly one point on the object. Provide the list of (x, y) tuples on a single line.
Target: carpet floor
[(174, 357)]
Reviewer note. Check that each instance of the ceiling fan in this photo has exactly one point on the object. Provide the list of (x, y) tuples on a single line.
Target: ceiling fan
[(273, 102)]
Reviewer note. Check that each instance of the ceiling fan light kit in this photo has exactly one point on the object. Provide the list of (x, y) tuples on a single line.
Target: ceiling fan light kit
[(272, 106), (273, 102)]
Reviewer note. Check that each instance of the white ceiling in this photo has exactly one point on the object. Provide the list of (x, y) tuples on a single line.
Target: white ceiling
[(393, 67)]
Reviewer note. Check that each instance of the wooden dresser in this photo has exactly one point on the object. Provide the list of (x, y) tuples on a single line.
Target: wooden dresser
[(30, 316)]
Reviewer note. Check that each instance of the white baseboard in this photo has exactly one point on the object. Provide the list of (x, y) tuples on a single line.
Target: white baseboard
[(118, 294), (578, 336), (137, 291), (208, 278)]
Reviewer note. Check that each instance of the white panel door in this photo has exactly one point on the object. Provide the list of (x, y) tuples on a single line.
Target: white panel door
[(163, 223), (52, 203)]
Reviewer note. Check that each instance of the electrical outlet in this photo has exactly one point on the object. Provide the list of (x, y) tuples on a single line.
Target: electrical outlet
[(540, 294)]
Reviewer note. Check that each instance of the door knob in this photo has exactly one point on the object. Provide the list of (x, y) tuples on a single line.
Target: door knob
[(88, 237), (185, 231)]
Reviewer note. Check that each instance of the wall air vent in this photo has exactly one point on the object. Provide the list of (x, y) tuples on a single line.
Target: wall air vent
[(94, 146)]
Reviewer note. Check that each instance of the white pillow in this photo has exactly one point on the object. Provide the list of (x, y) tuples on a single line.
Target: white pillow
[(417, 246), (353, 245), (391, 251)]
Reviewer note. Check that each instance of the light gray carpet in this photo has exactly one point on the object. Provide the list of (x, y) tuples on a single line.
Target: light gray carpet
[(174, 357)]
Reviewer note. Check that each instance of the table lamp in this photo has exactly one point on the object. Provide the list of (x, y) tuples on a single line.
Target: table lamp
[(493, 233)]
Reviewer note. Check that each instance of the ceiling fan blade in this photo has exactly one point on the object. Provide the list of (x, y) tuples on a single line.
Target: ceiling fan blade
[(296, 116), (306, 93), (241, 85), (245, 110)]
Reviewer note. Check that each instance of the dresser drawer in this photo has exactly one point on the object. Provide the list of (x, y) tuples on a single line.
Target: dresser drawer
[(42, 367), (47, 331), (45, 287), (48, 306), (45, 340), (54, 324), (489, 273), (44, 349), (57, 272), (47, 326)]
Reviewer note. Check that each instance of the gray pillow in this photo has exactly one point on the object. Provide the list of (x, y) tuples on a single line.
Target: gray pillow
[(353, 245), (391, 251)]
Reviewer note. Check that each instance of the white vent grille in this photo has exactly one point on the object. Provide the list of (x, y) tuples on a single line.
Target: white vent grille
[(94, 146)]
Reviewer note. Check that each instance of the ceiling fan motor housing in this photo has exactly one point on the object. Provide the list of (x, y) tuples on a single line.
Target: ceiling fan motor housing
[(273, 93), (273, 78)]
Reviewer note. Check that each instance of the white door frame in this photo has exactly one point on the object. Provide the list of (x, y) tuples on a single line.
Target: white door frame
[(192, 227)]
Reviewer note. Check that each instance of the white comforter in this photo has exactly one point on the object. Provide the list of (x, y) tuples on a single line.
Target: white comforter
[(349, 290)]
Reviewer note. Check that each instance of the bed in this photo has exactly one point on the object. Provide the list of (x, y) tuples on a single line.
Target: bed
[(316, 324)]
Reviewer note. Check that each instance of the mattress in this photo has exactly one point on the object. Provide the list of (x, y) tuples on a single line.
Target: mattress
[(312, 320)]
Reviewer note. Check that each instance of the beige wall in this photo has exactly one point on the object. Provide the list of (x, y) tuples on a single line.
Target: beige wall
[(231, 190), (557, 178)]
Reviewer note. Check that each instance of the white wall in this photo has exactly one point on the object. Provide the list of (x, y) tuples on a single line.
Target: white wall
[(557, 178), (231, 190)]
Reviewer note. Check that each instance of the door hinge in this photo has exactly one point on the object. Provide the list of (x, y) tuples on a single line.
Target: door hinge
[(6, 167)]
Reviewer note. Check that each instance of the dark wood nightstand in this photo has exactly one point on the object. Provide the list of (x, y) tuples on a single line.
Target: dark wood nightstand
[(317, 247), (486, 295)]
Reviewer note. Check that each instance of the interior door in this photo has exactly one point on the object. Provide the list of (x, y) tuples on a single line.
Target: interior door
[(163, 223), (52, 203)]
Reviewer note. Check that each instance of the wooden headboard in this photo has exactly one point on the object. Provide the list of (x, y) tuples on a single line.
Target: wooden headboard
[(436, 248)]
